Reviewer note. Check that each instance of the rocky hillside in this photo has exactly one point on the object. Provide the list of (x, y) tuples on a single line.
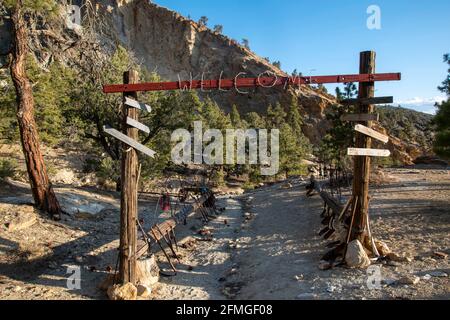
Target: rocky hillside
[(411, 133), (176, 48)]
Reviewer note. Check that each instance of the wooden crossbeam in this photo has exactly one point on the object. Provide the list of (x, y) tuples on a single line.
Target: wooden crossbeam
[(368, 101), (371, 133), (368, 152), (361, 117), (132, 143), (136, 104), (138, 125), (239, 82)]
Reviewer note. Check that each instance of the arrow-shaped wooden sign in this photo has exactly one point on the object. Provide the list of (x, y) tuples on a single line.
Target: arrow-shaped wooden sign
[(367, 101), (368, 152), (138, 105), (371, 133), (360, 117), (127, 140), (138, 125)]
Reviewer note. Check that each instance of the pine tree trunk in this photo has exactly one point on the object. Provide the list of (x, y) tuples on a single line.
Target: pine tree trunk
[(44, 197)]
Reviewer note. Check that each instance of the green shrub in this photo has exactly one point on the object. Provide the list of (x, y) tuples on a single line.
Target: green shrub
[(7, 168)]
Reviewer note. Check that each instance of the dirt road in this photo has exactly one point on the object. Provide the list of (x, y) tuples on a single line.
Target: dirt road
[(263, 246)]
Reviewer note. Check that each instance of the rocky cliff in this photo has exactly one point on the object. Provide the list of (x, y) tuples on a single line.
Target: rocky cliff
[(178, 48)]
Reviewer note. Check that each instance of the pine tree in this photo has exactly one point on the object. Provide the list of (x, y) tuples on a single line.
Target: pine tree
[(277, 64), (235, 118), (442, 124), (275, 116), (445, 87), (339, 137), (203, 21), (442, 119), (218, 28), (254, 120), (290, 153), (294, 119), (43, 194), (246, 43)]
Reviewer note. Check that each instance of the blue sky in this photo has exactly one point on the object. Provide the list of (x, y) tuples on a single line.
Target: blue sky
[(325, 37)]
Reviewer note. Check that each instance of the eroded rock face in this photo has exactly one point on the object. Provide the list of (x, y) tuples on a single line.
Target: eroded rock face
[(178, 48)]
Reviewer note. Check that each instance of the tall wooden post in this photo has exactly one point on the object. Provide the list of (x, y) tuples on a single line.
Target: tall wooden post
[(362, 163), (129, 201)]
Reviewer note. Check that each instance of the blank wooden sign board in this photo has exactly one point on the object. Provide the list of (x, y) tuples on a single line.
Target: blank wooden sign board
[(138, 105), (368, 152), (367, 101), (133, 123), (371, 133), (360, 117), (138, 125), (127, 140)]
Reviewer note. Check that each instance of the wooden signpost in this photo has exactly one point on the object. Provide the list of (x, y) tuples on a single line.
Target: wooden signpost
[(363, 152), (129, 177)]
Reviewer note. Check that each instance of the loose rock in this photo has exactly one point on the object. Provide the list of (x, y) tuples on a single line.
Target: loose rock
[(398, 258), (438, 274), (286, 186), (325, 265), (143, 291), (409, 280), (441, 255), (356, 256), (382, 248), (122, 292)]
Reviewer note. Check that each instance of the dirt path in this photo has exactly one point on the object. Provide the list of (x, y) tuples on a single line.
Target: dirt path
[(264, 245), (204, 264), (281, 250)]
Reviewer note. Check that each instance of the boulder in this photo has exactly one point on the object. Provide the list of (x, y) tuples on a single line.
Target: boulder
[(356, 256), (122, 292)]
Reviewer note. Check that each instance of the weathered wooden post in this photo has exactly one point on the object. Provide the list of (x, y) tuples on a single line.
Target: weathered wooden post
[(362, 163), (128, 201)]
